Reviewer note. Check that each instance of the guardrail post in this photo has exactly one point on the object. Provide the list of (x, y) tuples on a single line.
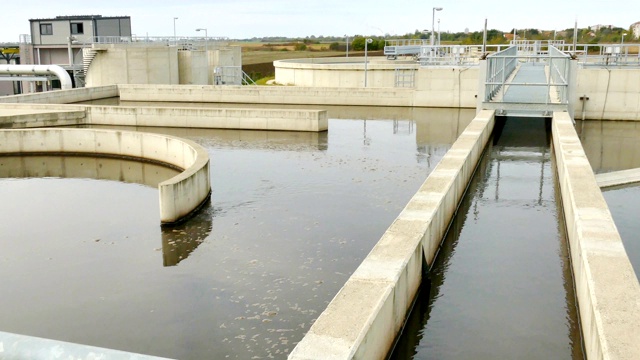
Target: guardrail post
[(572, 79), (482, 86)]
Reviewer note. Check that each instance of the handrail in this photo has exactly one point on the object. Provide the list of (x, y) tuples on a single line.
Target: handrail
[(499, 67)]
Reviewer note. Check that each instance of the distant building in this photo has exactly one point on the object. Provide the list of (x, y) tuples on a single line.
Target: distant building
[(635, 27), (98, 50), (596, 28), (52, 38), (59, 40)]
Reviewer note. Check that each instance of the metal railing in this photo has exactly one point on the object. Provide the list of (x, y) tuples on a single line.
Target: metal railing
[(500, 66), (604, 54), (558, 77), (231, 75), (405, 77), (183, 43), (548, 70), (451, 55)]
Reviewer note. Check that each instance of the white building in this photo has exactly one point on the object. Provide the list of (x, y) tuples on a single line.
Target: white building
[(52, 38), (635, 28)]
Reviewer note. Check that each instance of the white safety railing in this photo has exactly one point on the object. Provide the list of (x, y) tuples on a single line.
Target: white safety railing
[(499, 67), (604, 54), (183, 43), (558, 78), (231, 75)]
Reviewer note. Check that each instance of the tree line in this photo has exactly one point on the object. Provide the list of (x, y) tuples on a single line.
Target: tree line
[(604, 34)]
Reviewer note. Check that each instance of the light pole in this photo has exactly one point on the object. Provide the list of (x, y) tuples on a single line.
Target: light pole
[(174, 28), (206, 40), (347, 44), (623, 35), (438, 32), (366, 43), (433, 24)]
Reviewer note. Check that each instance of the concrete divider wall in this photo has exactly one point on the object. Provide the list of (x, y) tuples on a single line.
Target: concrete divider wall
[(268, 95), (22, 119), (364, 318), (614, 94), (607, 288), (64, 96), (179, 196), (248, 119), (38, 115), (450, 87)]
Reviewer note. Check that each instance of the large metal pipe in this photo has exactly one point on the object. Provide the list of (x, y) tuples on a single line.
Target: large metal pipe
[(59, 72)]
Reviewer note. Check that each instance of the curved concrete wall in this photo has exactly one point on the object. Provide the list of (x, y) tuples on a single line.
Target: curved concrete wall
[(442, 86), (179, 196), (607, 288), (366, 315), (100, 168)]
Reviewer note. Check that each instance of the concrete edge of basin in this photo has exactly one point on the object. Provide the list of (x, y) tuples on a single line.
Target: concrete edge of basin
[(179, 195), (617, 178), (16, 346), (364, 318), (607, 288)]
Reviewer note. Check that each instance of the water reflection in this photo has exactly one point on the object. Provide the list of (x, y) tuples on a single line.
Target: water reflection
[(610, 145), (181, 240), (99, 168), (501, 286), (177, 241)]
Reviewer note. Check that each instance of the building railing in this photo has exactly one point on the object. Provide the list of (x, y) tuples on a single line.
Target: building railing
[(183, 43)]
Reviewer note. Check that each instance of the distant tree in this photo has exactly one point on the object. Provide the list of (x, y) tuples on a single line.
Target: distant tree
[(300, 47), (358, 43), (335, 46)]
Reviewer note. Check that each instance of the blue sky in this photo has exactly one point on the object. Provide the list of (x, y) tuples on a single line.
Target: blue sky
[(249, 18)]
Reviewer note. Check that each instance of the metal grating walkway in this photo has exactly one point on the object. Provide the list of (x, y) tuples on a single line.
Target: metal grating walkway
[(528, 73)]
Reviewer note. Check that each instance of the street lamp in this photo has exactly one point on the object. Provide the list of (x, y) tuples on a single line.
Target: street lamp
[(347, 44), (433, 24), (174, 28), (206, 40), (438, 32), (366, 43), (623, 35)]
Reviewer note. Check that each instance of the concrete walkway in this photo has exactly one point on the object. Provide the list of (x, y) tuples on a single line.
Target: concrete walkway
[(530, 73), (615, 178)]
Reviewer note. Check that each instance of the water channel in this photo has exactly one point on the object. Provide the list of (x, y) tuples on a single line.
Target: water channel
[(292, 215), (501, 286)]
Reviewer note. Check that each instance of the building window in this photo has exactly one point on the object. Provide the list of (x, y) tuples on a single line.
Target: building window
[(77, 28), (46, 29)]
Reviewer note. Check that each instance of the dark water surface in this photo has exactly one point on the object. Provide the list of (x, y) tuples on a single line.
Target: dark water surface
[(624, 204), (501, 286), (291, 217), (614, 146)]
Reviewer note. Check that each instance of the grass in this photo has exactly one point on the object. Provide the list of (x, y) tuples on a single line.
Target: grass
[(264, 80)]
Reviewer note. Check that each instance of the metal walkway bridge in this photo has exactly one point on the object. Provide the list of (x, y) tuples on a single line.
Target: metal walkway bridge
[(522, 82)]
